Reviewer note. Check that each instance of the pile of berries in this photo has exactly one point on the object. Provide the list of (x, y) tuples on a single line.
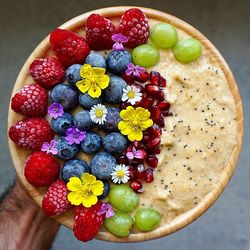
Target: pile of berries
[(152, 86), (61, 75)]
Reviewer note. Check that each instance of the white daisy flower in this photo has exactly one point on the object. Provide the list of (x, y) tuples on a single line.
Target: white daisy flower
[(98, 113), (120, 174), (131, 94)]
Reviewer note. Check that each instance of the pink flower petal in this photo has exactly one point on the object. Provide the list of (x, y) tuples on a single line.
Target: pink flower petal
[(130, 155)]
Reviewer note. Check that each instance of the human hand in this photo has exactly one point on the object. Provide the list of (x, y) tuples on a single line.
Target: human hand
[(22, 223)]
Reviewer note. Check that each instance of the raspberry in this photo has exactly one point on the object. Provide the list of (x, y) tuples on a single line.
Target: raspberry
[(31, 100), (47, 72), (31, 133), (41, 169), (87, 222), (55, 201), (69, 47), (99, 31), (134, 25)]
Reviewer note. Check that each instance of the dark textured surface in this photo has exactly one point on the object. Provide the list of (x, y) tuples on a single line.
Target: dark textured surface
[(23, 24)]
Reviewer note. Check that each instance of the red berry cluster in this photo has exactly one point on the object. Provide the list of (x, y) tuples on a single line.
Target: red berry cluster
[(151, 86)]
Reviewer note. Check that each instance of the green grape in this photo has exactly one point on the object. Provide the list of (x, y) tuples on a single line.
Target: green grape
[(119, 224), (147, 219), (187, 50), (145, 55), (123, 198), (163, 35)]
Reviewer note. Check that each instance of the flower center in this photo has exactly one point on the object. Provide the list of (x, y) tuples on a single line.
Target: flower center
[(131, 94), (99, 113), (120, 173)]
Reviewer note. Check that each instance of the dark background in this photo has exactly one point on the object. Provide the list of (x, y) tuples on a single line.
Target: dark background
[(23, 24)]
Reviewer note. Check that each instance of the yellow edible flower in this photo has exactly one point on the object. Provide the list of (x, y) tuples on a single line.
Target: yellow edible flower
[(93, 80), (84, 190), (133, 122)]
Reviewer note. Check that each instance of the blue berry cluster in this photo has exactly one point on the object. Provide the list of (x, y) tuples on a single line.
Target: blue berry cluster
[(102, 147)]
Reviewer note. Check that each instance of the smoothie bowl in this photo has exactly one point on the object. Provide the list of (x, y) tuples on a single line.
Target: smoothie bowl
[(125, 124)]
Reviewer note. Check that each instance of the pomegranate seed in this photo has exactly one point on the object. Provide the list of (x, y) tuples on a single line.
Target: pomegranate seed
[(155, 113), (154, 77), (152, 161), (161, 122), (139, 86), (165, 113), (154, 150), (163, 105), (124, 105), (128, 78), (152, 89), (149, 177), (132, 173), (146, 138), (136, 186), (143, 77), (162, 82), (141, 175), (155, 130), (137, 161), (147, 102), (122, 159), (160, 95), (155, 142)]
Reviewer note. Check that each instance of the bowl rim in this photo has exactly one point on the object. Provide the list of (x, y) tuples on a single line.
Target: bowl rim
[(207, 200)]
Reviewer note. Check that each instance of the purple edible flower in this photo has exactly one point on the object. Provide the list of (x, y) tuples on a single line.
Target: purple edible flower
[(139, 154), (134, 70), (74, 135), (55, 110), (50, 147), (119, 39), (106, 209)]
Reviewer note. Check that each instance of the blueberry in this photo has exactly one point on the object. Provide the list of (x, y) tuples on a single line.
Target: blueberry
[(105, 191), (96, 60), (92, 143), (82, 120), (66, 151), (73, 73), (102, 164), (65, 95), (113, 93), (118, 60), (112, 120), (87, 101), (115, 143), (74, 168), (62, 123)]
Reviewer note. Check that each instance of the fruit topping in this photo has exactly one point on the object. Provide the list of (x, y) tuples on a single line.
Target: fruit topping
[(41, 169), (119, 224), (99, 31), (145, 55), (87, 222), (47, 72), (31, 133), (91, 143), (31, 100), (147, 219), (123, 198), (187, 50), (102, 164), (69, 47), (115, 143), (55, 201), (163, 35), (134, 25)]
